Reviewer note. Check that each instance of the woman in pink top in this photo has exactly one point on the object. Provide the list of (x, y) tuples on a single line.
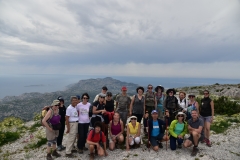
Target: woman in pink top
[(115, 131), (83, 122)]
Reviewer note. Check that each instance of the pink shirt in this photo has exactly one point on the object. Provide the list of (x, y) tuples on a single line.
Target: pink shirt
[(83, 110)]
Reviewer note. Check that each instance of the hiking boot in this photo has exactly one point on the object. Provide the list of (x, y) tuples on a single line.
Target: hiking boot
[(49, 157), (70, 155), (85, 148), (208, 143), (80, 151), (54, 153), (160, 145), (203, 140), (91, 156), (179, 146), (194, 151), (63, 147), (59, 148)]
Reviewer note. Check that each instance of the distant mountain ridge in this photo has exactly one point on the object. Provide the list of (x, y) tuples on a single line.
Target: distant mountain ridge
[(25, 105)]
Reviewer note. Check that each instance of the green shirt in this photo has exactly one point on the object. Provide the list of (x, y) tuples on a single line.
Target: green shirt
[(179, 128)]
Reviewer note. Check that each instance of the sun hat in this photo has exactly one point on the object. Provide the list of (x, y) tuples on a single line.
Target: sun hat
[(55, 102), (154, 111), (159, 86), (181, 113), (132, 117), (171, 89)]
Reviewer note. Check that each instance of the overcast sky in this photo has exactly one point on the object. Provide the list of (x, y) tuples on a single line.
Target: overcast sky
[(122, 38)]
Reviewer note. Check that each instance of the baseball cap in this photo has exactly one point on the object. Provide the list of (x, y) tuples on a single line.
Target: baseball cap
[(60, 98), (78, 97), (124, 88), (154, 111)]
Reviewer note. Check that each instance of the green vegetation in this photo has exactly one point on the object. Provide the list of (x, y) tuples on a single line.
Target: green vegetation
[(6, 137), (39, 143)]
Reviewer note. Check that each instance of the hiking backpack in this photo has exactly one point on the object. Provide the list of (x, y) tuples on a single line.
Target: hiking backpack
[(92, 129)]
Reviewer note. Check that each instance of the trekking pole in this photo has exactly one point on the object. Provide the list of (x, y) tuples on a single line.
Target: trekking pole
[(148, 145), (166, 132)]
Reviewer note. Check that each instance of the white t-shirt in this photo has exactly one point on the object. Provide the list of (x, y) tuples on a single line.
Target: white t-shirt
[(83, 110), (183, 104), (72, 113)]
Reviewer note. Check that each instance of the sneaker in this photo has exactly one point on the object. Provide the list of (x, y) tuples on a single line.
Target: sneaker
[(55, 153), (160, 145), (80, 151), (208, 143), (63, 147), (194, 151), (70, 155), (91, 156)]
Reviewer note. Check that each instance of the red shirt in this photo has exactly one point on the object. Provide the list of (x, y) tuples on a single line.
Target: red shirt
[(96, 137)]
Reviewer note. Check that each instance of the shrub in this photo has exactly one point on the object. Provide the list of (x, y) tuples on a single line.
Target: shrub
[(6, 137)]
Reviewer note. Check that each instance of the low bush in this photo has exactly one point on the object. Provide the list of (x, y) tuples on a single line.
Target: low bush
[(6, 137)]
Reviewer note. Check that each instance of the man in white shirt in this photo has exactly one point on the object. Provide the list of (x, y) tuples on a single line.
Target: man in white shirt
[(72, 125)]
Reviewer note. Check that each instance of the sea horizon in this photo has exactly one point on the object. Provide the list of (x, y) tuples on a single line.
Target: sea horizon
[(15, 85)]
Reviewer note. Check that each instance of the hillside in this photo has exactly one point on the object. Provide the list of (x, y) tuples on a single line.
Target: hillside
[(228, 90), (24, 106)]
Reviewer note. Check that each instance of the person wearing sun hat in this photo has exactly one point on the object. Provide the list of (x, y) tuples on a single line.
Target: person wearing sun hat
[(177, 130), (156, 131), (160, 97), (171, 105), (133, 132)]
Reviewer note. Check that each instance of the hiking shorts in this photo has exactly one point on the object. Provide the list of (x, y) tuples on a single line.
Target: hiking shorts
[(51, 135), (191, 138), (207, 119), (154, 140)]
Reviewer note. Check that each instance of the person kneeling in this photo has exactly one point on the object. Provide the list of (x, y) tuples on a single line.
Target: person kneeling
[(177, 129), (115, 130), (133, 132), (195, 128), (97, 140), (156, 131)]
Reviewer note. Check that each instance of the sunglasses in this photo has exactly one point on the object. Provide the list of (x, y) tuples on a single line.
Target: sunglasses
[(205, 93), (133, 118), (180, 116), (191, 96), (85, 98), (171, 92), (101, 97), (150, 87), (109, 95)]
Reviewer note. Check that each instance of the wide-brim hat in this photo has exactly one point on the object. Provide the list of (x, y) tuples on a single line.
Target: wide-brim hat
[(132, 117), (181, 113), (171, 89), (55, 103), (159, 86)]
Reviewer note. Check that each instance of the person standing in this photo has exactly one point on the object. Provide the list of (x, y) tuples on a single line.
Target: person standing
[(171, 105), (207, 112), (182, 100), (104, 91), (72, 125), (83, 122), (177, 130), (192, 105), (62, 113), (123, 104), (52, 118), (137, 106), (160, 97), (195, 129), (150, 105)]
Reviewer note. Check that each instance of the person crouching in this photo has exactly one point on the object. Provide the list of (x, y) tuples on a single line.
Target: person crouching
[(97, 141), (133, 132)]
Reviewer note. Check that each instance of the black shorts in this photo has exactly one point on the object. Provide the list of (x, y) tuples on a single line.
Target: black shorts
[(191, 138)]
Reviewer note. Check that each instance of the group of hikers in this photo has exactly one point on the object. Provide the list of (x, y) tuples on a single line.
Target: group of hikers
[(109, 123)]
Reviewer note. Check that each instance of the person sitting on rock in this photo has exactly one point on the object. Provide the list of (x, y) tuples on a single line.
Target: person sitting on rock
[(52, 117), (195, 129), (116, 129), (133, 132), (97, 141), (156, 131), (177, 129)]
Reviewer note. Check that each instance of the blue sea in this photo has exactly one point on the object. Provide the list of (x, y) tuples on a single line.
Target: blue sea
[(14, 85)]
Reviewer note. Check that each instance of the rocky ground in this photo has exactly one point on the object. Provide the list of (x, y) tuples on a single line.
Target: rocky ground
[(224, 147)]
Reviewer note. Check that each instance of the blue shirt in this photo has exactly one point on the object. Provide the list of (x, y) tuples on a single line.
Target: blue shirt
[(156, 129)]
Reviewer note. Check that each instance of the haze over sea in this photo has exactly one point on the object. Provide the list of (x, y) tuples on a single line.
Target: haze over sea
[(14, 85)]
